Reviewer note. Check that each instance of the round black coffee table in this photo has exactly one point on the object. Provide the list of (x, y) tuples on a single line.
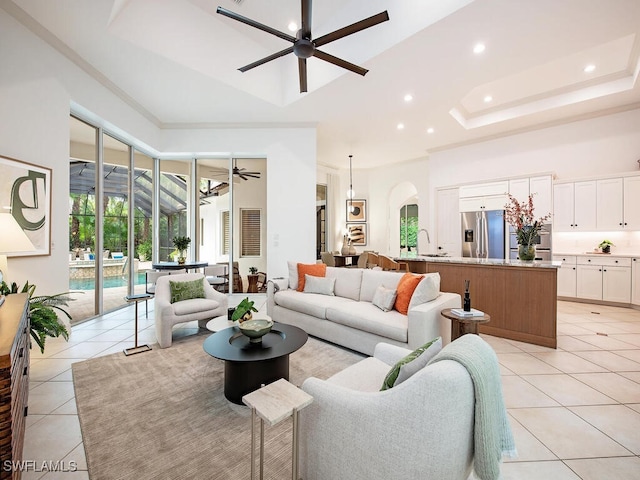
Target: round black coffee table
[(248, 366)]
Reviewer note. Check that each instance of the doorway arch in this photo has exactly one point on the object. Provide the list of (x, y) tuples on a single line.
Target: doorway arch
[(402, 194)]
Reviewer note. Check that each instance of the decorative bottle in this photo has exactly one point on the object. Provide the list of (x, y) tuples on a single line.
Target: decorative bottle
[(466, 306)]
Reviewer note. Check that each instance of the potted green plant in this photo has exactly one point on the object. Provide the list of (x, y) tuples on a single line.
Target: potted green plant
[(42, 311), (244, 310), (181, 244), (253, 270), (605, 246)]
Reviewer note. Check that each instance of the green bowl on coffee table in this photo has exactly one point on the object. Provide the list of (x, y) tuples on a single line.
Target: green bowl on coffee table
[(255, 329)]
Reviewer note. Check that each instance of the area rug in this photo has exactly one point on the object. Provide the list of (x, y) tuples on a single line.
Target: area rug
[(163, 414)]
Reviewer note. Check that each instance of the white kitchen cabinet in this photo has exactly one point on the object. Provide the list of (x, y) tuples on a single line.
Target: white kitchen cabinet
[(484, 189), (609, 205), (616, 284), (574, 206), (631, 202), (604, 278), (474, 204), (519, 188), (589, 282), (566, 275), (635, 280), (542, 190), (448, 235)]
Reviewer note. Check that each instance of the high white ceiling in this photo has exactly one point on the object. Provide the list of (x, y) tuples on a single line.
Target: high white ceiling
[(177, 61)]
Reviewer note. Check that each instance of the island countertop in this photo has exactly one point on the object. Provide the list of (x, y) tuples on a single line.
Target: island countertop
[(481, 261), (520, 297)]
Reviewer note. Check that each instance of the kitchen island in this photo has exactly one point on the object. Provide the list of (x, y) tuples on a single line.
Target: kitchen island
[(520, 297)]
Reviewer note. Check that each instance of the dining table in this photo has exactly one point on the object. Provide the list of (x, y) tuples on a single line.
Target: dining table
[(195, 265)]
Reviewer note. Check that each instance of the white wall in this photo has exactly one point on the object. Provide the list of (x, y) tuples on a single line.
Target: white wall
[(37, 88)]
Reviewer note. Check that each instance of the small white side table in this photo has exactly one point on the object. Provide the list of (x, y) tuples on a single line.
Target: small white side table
[(140, 297), (219, 323), (273, 403)]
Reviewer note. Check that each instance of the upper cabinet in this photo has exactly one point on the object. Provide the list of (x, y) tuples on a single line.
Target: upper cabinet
[(540, 187), (574, 206), (607, 204), (483, 196)]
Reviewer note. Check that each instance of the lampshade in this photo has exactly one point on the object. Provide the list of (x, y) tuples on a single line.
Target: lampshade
[(12, 237)]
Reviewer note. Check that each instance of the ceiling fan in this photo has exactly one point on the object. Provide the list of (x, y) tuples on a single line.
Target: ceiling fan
[(303, 44), (241, 173)]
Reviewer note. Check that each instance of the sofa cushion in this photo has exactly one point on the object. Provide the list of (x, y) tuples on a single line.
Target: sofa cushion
[(180, 291), (366, 317), (372, 279), (293, 274), (320, 285), (195, 305), (406, 287), (412, 363), (309, 303), (384, 298), (314, 269), (348, 281), (428, 289)]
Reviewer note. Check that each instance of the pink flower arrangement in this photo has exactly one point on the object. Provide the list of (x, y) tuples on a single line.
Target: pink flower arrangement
[(521, 217)]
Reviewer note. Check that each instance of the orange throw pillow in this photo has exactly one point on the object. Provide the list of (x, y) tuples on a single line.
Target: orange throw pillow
[(313, 269), (406, 286)]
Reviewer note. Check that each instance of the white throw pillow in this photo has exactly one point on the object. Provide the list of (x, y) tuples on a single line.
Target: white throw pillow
[(293, 274), (384, 298), (321, 285), (427, 290)]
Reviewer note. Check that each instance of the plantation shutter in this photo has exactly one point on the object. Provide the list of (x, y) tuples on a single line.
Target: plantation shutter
[(224, 219), (249, 233)]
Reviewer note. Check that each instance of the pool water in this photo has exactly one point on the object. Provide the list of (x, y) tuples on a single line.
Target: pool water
[(108, 282)]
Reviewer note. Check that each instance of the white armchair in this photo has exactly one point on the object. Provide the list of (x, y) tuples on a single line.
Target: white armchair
[(168, 314), (422, 428)]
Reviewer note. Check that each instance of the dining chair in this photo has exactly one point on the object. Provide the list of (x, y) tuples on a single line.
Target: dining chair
[(327, 259), (217, 277), (388, 263), (373, 260), (262, 282), (363, 260)]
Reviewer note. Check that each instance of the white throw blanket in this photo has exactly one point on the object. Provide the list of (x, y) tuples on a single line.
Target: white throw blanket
[(492, 431)]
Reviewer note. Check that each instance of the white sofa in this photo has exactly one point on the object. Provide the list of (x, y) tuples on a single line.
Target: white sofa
[(168, 314), (350, 319), (421, 428)]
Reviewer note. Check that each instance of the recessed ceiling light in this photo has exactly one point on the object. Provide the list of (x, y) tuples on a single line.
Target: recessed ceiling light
[(488, 99), (478, 48), (408, 97), (400, 126), (589, 68), (293, 27), (430, 130)]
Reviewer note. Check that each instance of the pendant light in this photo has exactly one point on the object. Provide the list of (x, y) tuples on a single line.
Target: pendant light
[(350, 192)]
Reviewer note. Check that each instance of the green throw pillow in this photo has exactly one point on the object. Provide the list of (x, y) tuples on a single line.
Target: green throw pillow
[(186, 290), (412, 363)]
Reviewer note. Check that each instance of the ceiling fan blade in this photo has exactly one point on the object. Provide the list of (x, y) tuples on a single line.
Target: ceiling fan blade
[(351, 29), (253, 23), (306, 19), (302, 71), (340, 62), (266, 59)]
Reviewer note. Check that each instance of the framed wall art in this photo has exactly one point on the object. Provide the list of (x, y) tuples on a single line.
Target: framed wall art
[(357, 233), (26, 190), (359, 211)]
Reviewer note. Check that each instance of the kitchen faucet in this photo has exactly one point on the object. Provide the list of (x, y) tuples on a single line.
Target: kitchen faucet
[(418, 239)]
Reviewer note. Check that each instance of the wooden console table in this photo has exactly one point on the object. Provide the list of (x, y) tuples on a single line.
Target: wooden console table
[(14, 379)]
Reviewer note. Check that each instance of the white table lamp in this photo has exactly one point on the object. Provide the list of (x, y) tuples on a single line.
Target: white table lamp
[(12, 240)]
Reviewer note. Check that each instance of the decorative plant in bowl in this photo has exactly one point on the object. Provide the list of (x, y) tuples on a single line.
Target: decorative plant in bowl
[(243, 311), (605, 246), (253, 270), (181, 244)]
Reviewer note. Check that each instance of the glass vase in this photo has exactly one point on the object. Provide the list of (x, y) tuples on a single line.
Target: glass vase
[(526, 253)]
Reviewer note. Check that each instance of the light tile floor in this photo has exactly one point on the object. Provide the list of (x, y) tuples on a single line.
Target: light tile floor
[(574, 411)]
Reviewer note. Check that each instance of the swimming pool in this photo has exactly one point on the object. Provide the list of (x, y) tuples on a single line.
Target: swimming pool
[(108, 282)]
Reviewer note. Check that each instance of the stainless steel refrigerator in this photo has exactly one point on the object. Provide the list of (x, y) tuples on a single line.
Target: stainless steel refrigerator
[(483, 234)]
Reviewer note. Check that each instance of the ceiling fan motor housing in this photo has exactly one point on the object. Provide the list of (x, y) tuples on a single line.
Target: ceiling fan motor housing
[(303, 47)]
